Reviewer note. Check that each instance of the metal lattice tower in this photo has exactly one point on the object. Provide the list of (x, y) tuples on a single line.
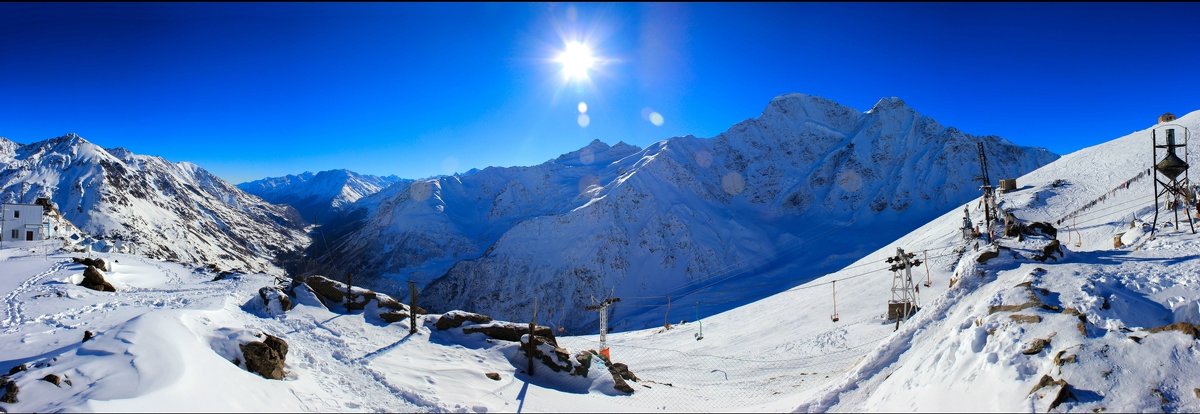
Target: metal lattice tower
[(602, 307), (1171, 172), (988, 193), (904, 295)]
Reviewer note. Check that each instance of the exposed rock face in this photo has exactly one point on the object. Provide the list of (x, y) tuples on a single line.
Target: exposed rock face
[(94, 280), (1036, 346), (494, 376), (88, 335), (1055, 391), (266, 358), (1184, 327)]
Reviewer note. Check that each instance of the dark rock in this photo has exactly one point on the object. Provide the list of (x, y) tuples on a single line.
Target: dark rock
[(225, 274), (557, 359), (454, 319), (16, 369), (1060, 360), (1184, 327), (1025, 318), (97, 263), (393, 316), (620, 373), (1082, 324), (94, 280), (10, 392), (270, 294), (1197, 392), (512, 332), (88, 335), (1043, 228), (266, 358), (53, 379), (987, 255), (583, 362), (494, 376), (1037, 346), (1049, 250), (328, 289), (1062, 393)]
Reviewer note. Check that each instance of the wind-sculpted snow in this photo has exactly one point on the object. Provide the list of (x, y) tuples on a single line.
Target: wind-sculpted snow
[(147, 205), (765, 197)]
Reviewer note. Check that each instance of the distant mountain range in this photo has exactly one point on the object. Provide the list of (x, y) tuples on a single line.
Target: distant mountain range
[(318, 197), (806, 187)]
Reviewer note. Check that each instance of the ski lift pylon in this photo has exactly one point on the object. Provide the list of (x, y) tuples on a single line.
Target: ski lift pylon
[(834, 317)]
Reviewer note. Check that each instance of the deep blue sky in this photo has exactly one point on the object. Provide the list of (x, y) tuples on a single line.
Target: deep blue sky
[(254, 90)]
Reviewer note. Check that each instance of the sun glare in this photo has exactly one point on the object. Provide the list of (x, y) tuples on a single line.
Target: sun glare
[(576, 60)]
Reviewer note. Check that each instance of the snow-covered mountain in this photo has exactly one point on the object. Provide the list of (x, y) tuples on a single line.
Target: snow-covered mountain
[(148, 205), (804, 188), (1098, 328), (318, 196)]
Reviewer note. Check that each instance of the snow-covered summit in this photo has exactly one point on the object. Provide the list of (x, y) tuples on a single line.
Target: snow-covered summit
[(321, 195), (149, 205), (761, 197)]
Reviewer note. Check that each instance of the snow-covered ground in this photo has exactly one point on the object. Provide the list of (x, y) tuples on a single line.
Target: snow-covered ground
[(164, 338)]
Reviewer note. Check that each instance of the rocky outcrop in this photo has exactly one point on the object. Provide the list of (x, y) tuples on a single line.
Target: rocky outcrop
[(87, 261), (1183, 327), (620, 374), (94, 280), (273, 300), (333, 293), (10, 391), (1055, 391), (509, 331), (457, 318), (266, 358)]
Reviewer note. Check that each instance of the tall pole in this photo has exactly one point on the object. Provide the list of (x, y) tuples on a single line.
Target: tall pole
[(667, 315), (531, 345), (412, 307)]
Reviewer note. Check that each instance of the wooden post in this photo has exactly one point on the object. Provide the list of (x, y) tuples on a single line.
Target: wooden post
[(412, 307)]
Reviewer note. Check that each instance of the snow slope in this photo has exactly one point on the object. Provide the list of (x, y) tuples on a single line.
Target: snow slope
[(162, 333), (318, 196), (765, 197), (148, 205)]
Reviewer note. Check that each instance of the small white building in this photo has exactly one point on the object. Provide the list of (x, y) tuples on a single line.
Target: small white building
[(22, 222)]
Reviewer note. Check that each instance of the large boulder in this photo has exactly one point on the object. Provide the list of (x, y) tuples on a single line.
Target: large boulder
[(332, 292), (556, 358), (97, 262), (266, 358), (94, 280), (273, 300), (620, 374), (509, 331), (10, 391), (457, 318)]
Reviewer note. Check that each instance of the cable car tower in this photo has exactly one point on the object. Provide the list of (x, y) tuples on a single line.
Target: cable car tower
[(1171, 172), (904, 295)]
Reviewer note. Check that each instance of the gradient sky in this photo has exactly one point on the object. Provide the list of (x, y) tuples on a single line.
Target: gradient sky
[(255, 90)]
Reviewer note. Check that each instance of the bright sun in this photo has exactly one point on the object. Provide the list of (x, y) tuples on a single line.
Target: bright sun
[(576, 60)]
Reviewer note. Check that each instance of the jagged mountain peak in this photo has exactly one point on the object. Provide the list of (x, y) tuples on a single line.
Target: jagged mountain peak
[(319, 196), (597, 151)]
